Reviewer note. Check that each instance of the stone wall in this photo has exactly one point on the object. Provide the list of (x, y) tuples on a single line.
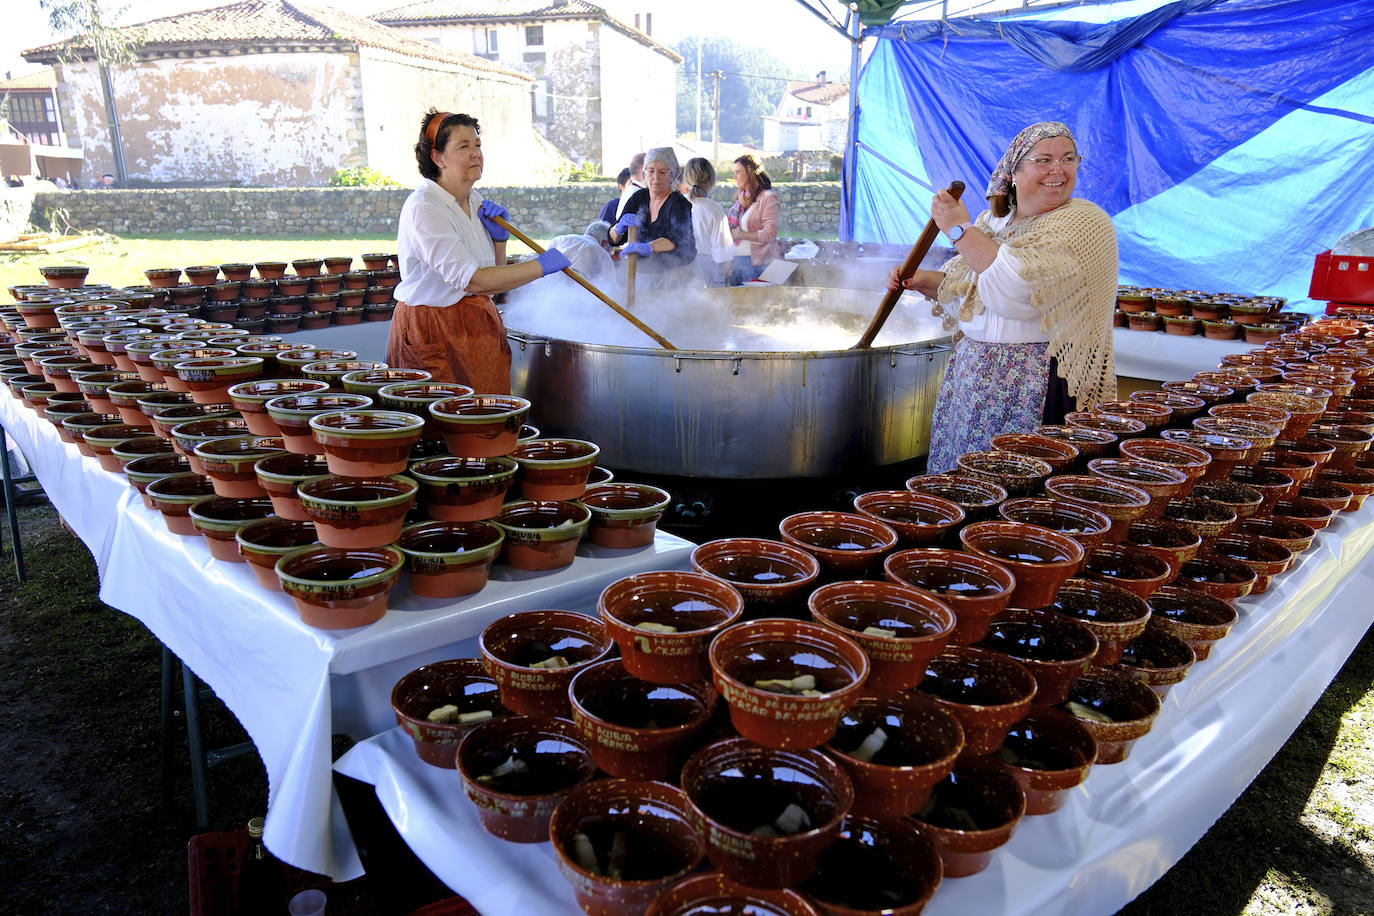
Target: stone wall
[(16, 209), (807, 209)]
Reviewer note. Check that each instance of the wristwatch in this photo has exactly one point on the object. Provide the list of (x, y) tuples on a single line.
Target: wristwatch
[(957, 232)]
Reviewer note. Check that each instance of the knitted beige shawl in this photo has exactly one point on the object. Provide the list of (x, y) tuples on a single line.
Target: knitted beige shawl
[(1068, 259)]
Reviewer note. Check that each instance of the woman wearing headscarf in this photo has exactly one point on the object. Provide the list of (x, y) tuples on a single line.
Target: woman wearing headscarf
[(714, 247), (453, 259), (1031, 290), (666, 245), (753, 220)]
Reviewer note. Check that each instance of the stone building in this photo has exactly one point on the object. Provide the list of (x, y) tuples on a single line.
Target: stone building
[(810, 116), (281, 93), (604, 89)]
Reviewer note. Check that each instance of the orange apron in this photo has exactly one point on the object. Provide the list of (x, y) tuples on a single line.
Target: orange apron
[(464, 343)]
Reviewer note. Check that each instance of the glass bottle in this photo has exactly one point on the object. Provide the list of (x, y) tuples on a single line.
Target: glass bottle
[(262, 878)]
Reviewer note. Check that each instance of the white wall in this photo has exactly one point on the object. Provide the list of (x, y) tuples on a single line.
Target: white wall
[(638, 100)]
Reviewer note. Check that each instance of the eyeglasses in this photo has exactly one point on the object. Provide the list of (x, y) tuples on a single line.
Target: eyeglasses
[(1070, 161)]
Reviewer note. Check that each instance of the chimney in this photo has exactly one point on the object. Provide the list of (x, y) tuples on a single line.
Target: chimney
[(820, 77), (648, 23)]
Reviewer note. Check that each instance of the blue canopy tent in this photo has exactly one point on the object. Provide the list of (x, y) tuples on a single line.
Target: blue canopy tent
[(1230, 140)]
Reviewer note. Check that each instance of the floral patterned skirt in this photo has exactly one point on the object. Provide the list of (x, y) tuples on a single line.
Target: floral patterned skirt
[(989, 389)]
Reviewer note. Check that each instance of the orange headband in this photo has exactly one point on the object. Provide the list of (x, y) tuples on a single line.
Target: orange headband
[(432, 128)]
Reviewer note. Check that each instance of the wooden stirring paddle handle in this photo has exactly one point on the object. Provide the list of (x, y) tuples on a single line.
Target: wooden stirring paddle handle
[(631, 236)]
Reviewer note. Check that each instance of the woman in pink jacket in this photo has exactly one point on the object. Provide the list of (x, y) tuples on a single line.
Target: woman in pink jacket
[(753, 220)]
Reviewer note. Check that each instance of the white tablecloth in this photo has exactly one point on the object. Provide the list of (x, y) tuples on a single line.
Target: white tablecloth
[(291, 686), (1118, 833), (1165, 357)]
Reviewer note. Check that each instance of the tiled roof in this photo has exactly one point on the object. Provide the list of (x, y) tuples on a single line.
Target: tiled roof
[(41, 79), (276, 24), (438, 12), (818, 93)]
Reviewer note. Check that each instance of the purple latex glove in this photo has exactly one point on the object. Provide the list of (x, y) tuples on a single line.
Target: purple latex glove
[(487, 213), (626, 221), (640, 248), (552, 261)]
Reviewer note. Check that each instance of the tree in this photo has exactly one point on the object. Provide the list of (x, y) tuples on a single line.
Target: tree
[(90, 36), (754, 81)]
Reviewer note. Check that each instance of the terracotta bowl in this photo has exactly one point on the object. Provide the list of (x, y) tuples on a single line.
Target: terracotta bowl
[(770, 575), (189, 434), (1114, 615), (1296, 536), (332, 371), (125, 396), (449, 559), (514, 647), (1358, 480), (173, 495), (542, 535), (250, 399), (101, 440), (292, 414), (1039, 558), (1162, 482), (366, 443), (553, 469), (664, 622), (541, 760), (714, 893), (141, 447), (1271, 416), (1349, 442), (1088, 527), (1122, 503), (142, 471), (624, 515), (986, 691), (899, 628), (481, 425), (599, 474), (919, 519), (1184, 406), (1265, 557), (416, 397), (1121, 427), (57, 414), (1219, 577), (975, 587), (1054, 649), (1195, 617), (1158, 659), (750, 661), (1297, 466), (1057, 453), (164, 362), (895, 748), (846, 544), (209, 379), (971, 812), (1225, 450), (280, 475), (1017, 474), (735, 787), (1154, 416), (1128, 707), (1190, 460), (463, 489), (77, 425), (875, 866), (1323, 490), (265, 541), (219, 518), (1308, 512), (1272, 484), (1302, 410), (338, 588), (1174, 544), (1205, 518), (1048, 753), (1261, 436), (1137, 571), (93, 386), (229, 463), (622, 842), (1091, 443), (633, 728), (1242, 499), (460, 683), (291, 362), (371, 381), (978, 498), (357, 512), (1209, 392)]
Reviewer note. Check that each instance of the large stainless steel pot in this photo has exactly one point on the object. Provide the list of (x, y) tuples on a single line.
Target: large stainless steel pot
[(744, 414)]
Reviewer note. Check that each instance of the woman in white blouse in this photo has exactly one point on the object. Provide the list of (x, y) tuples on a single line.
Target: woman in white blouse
[(715, 248), (453, 259)]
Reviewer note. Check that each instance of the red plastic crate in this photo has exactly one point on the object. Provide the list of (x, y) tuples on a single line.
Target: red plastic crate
[(1343, 278)]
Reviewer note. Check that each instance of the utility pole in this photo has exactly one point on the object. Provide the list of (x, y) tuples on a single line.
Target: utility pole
[(715, 116)]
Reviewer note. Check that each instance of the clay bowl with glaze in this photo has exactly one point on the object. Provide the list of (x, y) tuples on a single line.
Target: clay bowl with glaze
[(534, 655), (188, 435), (229, 463), (633, 728), (1209, 392), (1119, 426), (1091, 443), (59, 411), (416, 397), (1238, 380), (1137, 571), (663, 622), (250, 399), (140, 352), (1309, 512), (1349, 442), (1018, 474), (1057, 453), (291, 362), (141, 447), (771, 576), (735, 787), (986, 691), (208, 380), (1358, 480), (364, 442), (1170, 542), (142, 471), (77, 425), (371, 381), (899, 628), (978, 498), (1272, 484), (554, 469), (336, 588), (165, 362), (173, 495), (1294, 535), (1219, 577), (449, 559), (1115, 708), (1296, 465), (463, 489), (1154, 416), (1195, 617), (1048, 753), (875, 865), (1302, 410), (544, 760), (541, 535), (94, 388), (1122, 503), (971, 813), (102, 440), (1362, 420), (846, 544), (625, 516), (1088, 527), (1184, 406), (1161, 482), (126, 398), (265, 541), (895, 748), (280, 475), (57, 371), (974, 587), (621, 842), (918, 518), (1158, 659), (1264, 557), (1114, 615), (1225, 450), (712, 892), (292, 414), (1205, 518), (1190, 460), (1053, 648), (1242, 499), (481, 425), (332, 371), (1039, 558), (1270, 416), (267, 348), (751, 661), (219, 518), (357, 512), (458, 682)]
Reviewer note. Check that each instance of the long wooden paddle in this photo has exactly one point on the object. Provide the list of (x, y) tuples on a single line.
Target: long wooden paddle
[(630, 238), (909, 267), (585, 284)]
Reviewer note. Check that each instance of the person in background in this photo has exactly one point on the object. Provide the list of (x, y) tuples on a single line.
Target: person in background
[(666, 245), (452, 256), (1032, 289), (753, 220), (608, 213), (636, 183), (107, 182), (714, 245)]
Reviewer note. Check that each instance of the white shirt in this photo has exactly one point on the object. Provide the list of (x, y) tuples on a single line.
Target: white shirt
[(711, 230), (630, 188), (440, 247), (1008, 316)]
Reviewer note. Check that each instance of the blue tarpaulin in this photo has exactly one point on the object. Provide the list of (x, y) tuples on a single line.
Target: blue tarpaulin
[(1230, 140)]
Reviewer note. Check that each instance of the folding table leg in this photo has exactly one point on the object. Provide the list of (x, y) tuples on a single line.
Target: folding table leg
[(200, 789), (11, 512), (169, 675)]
